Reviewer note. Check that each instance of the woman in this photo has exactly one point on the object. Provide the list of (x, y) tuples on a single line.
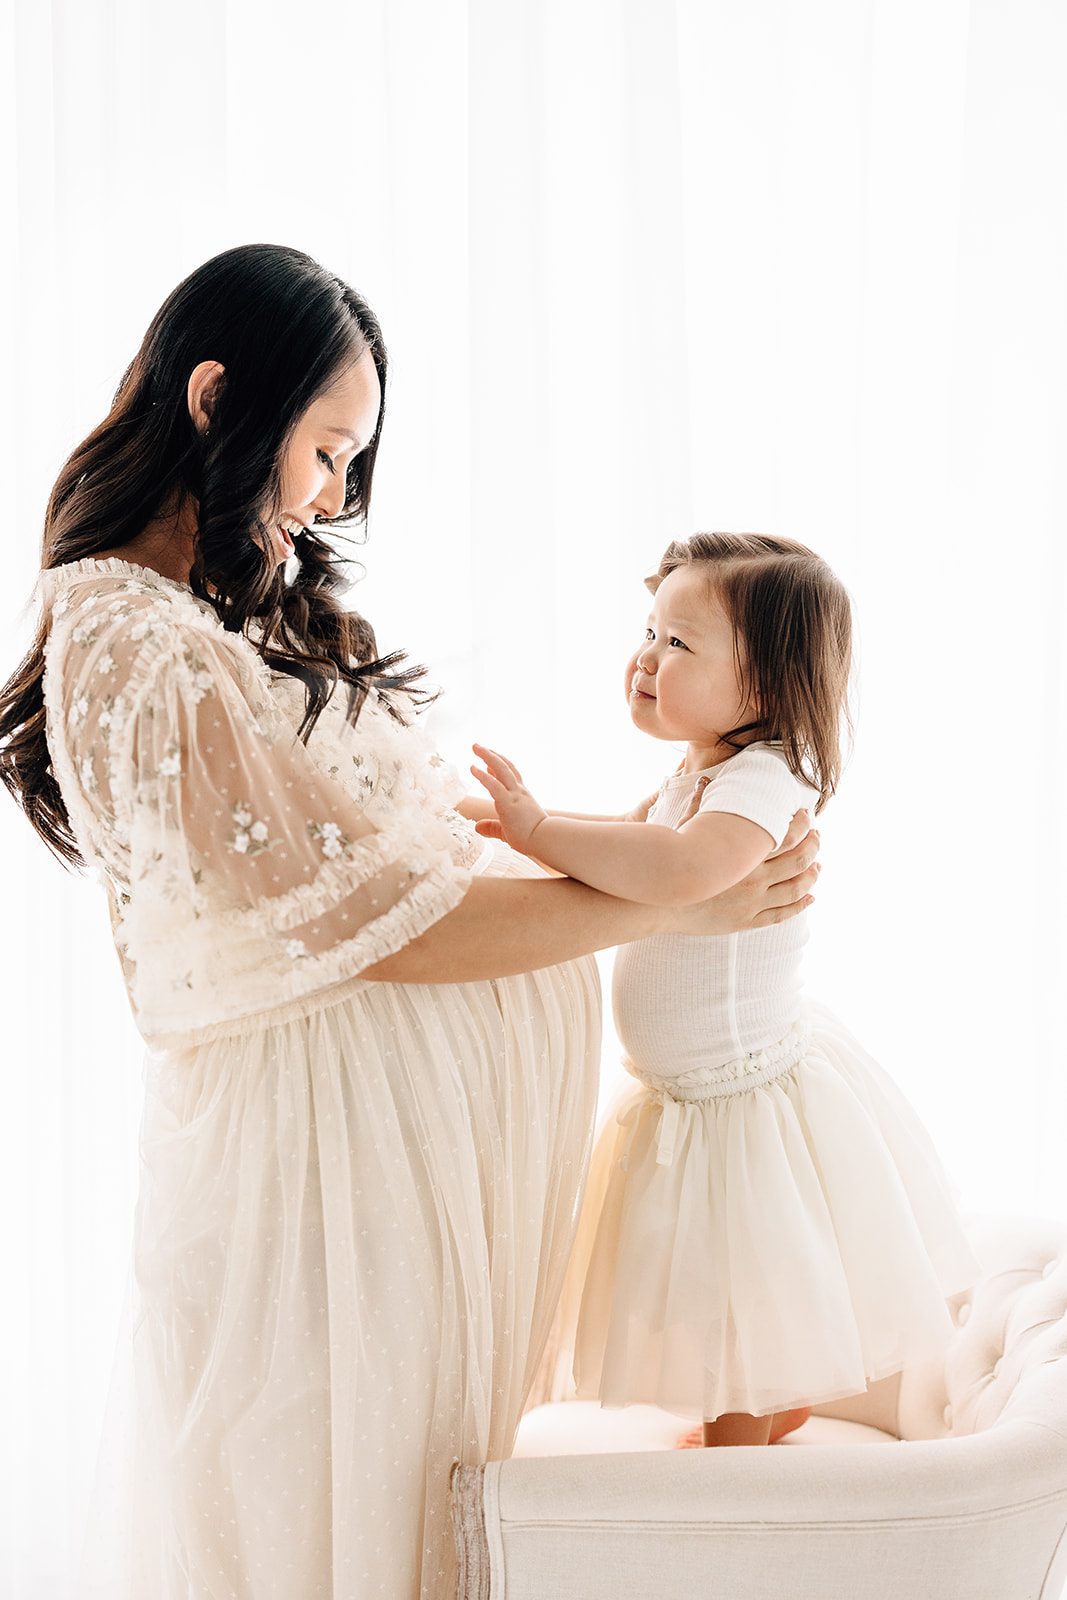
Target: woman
[(373, 1038)]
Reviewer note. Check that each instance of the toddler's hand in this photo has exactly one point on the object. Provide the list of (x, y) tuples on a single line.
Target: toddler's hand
[(518, 812)]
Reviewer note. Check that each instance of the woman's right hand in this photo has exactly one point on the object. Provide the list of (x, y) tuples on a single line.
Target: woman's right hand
[(779, 888)]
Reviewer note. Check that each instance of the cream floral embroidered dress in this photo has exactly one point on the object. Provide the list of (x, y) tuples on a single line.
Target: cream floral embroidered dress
[(358, 1198)]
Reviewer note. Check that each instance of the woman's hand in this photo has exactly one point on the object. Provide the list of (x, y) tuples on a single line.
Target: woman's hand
[(639, 812), (779, 888), (518, 813)]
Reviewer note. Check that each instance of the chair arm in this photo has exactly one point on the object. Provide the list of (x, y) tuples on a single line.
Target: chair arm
[(976, 1518)]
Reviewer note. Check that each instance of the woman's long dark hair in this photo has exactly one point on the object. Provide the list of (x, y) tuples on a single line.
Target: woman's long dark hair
[(285, 330)]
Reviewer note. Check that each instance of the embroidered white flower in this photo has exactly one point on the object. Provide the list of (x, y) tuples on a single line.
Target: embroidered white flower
[(107, 716), (139, 629), (84, 633), (88, 774), (79, 711), (61, 605), (170, 766), (249, 836), (295, 949), (106, 662), (332, 841), (198, 679)]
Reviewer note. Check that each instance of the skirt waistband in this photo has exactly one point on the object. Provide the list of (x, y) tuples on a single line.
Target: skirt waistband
[(722, 1082), (731, 1077)]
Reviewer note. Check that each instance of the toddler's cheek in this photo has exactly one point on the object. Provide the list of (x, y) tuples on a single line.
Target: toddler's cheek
[(631, 668)]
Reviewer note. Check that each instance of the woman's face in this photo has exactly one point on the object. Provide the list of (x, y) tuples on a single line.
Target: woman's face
[(330, 434)]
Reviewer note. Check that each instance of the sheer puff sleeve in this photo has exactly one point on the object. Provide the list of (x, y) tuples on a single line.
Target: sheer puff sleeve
[(244, 878)]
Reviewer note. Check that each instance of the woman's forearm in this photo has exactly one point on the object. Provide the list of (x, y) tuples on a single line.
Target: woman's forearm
[(508, 925)]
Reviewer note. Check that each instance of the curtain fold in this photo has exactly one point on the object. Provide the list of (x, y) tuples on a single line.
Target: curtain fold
[(643, 266)]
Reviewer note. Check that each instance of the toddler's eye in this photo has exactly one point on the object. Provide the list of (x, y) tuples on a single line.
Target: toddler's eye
[(326, 460), (673, 641), (649, 636)]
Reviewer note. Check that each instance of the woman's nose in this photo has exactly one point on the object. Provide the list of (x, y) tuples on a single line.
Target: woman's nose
[(330, 501)]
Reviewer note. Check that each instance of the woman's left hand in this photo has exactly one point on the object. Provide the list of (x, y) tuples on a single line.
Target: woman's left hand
[(779, 888)]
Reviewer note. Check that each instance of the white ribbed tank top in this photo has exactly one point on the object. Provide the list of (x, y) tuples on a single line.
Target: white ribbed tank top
[(685, 1003)]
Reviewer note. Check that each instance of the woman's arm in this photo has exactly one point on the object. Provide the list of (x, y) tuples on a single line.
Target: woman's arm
[(656, 866), (508, 925)]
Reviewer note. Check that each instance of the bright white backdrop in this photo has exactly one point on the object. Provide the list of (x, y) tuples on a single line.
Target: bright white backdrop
[(643, 266)]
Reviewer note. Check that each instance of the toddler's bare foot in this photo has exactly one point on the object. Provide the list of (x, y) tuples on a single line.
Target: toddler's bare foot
[(787, 1422), (693, 1440)]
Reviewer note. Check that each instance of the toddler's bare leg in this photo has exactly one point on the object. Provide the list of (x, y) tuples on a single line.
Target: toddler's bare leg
[(784, 1422), (737, 1427), (737, 1422)]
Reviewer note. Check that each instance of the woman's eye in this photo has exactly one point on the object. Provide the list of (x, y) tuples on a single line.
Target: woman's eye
[(326, 460)]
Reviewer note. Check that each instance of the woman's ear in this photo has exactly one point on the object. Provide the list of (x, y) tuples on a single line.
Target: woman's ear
[(205, 386)]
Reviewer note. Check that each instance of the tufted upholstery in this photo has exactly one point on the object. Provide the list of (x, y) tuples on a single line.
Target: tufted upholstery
[(964, 1498), (1011, 1333)]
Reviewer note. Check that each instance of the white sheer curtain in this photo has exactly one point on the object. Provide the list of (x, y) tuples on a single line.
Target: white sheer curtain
[(644, 266)]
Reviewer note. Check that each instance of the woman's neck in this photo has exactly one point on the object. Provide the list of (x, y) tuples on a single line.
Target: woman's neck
[(167, 544)]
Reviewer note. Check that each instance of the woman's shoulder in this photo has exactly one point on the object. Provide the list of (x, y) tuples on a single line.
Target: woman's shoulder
[(85, 601), (106, 586), (112, 625)]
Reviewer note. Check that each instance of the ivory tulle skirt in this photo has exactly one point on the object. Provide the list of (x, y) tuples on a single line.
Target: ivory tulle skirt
[(780, 1244), (351, 1236)]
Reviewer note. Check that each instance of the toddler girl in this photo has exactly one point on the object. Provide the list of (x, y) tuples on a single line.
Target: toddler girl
[(772, 1228)]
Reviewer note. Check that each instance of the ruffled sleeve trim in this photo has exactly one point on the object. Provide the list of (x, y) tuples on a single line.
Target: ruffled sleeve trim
[(335, 880), (316, 981)]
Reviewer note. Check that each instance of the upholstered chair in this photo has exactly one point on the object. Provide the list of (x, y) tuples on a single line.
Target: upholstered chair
[(946, 1481)]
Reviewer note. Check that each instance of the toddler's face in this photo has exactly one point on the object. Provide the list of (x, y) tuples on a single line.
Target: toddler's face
[(684, 683)]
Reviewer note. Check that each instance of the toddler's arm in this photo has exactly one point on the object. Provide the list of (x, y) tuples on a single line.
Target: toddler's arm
[(655, 866), (478, 809)]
